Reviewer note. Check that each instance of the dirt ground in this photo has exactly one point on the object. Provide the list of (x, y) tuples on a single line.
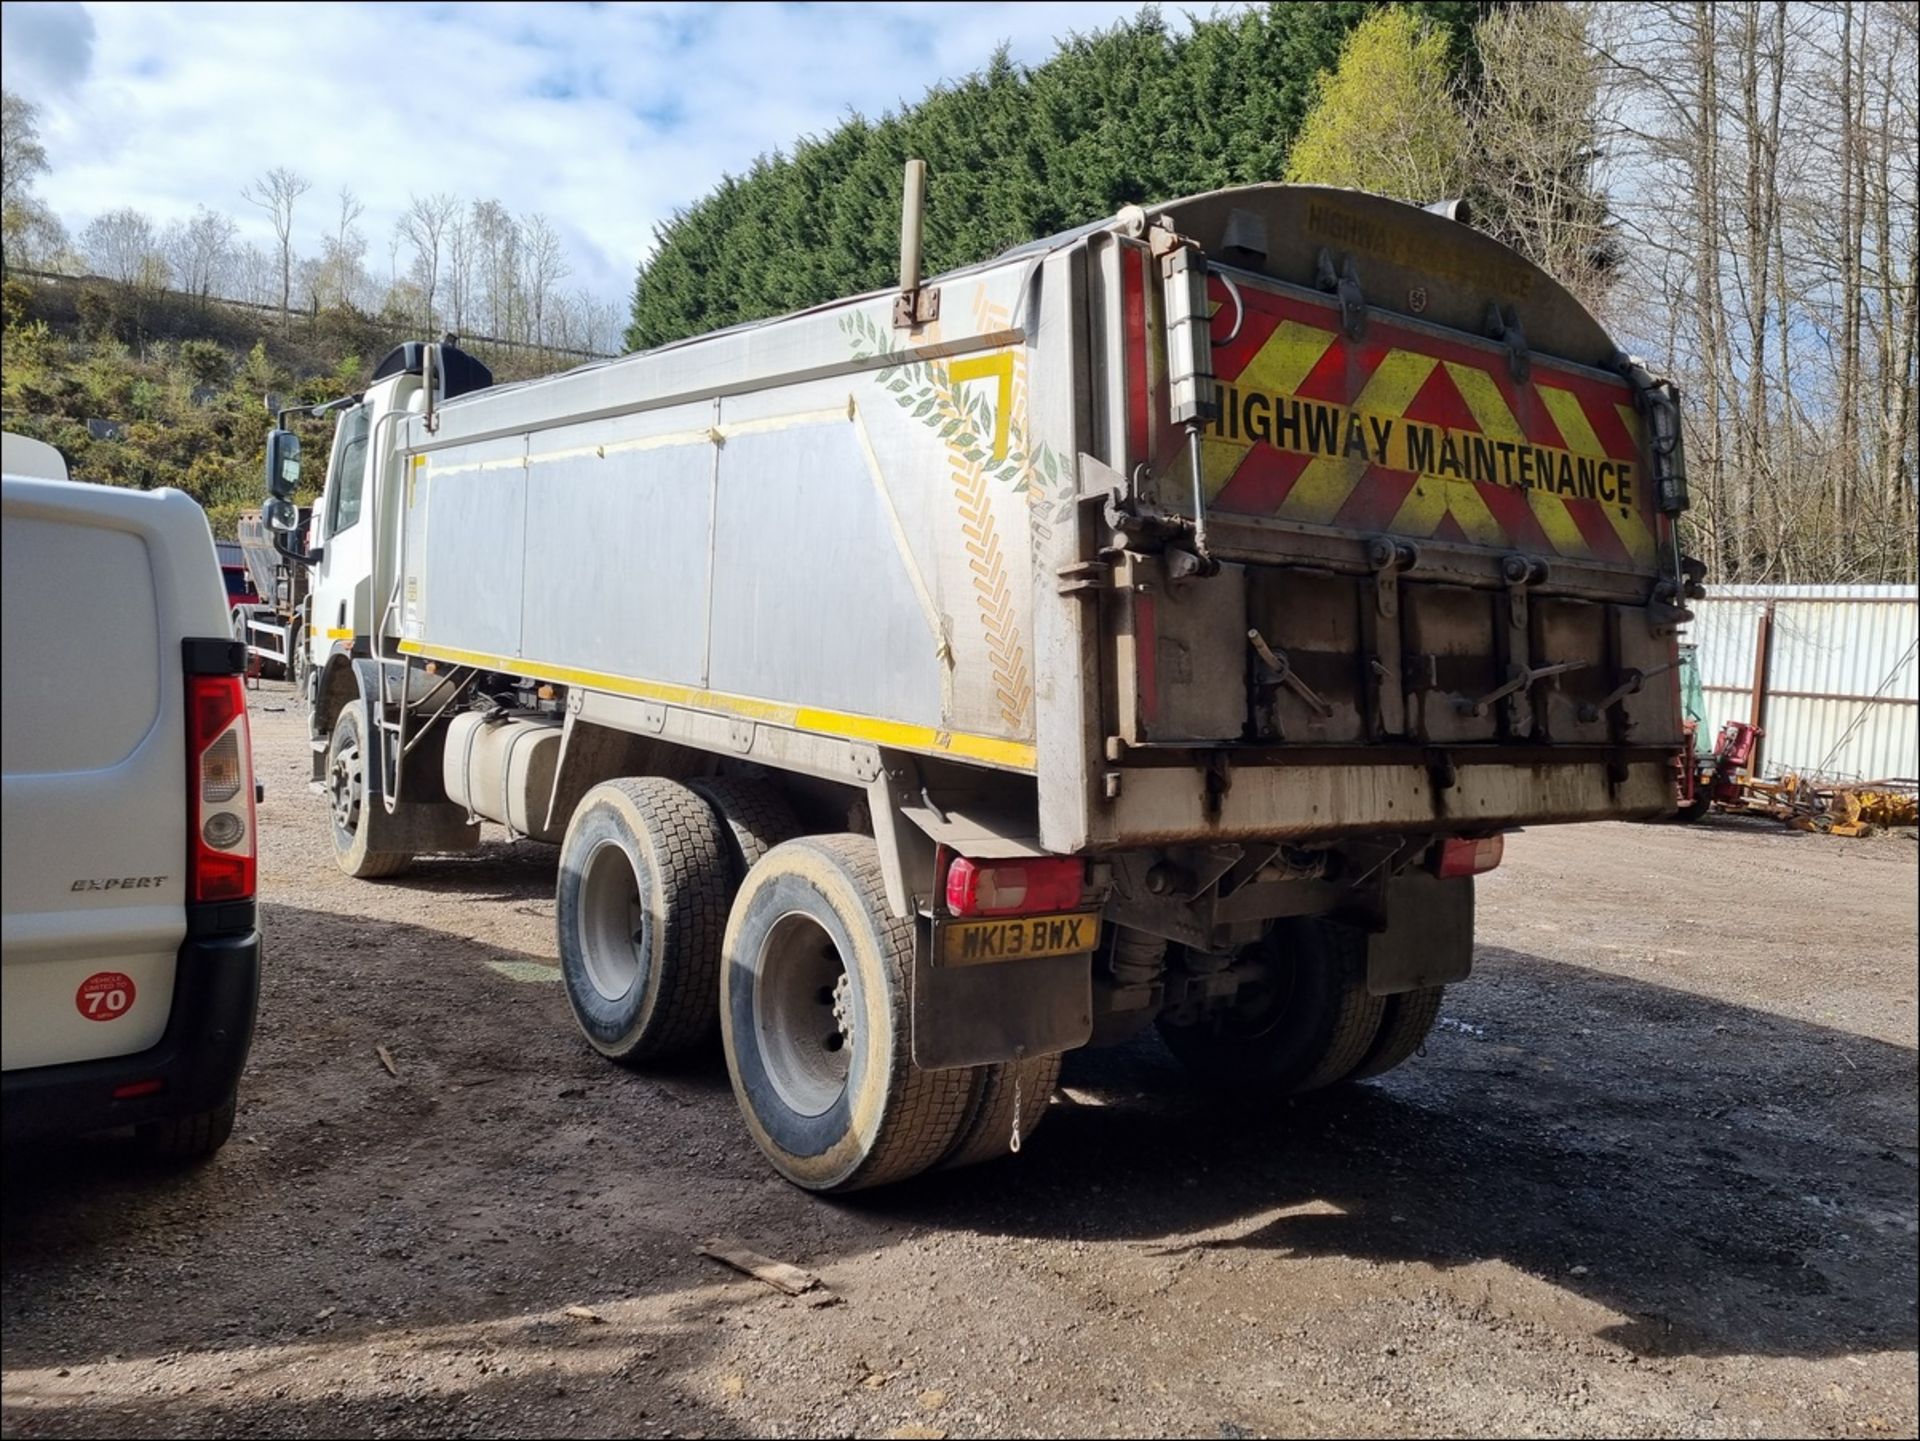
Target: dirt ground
[(1656, 1175)]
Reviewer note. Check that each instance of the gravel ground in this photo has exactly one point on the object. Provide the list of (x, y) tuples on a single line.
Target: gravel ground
[(1656, 1175)]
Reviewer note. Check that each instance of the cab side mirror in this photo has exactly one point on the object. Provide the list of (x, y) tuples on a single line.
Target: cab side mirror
[(283, 466), (281, 515)]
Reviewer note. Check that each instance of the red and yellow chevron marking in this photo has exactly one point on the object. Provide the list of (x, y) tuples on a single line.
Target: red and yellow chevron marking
[(1422, 436)]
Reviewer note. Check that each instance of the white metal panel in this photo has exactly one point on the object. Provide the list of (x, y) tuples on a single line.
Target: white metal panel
[(1843, 676)]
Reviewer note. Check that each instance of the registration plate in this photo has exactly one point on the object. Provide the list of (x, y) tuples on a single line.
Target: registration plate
[(1015, 938)]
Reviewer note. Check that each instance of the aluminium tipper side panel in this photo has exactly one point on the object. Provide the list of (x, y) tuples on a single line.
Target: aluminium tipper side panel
[(617, 545), (838, 536)]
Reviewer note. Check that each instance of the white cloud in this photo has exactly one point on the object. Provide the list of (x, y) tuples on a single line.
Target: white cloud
[(604, 118)]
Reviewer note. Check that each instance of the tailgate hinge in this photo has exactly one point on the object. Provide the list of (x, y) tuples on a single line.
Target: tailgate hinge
[(1510, 335)]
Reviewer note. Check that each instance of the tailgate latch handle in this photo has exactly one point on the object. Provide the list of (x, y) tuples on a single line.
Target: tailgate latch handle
[(1593, 710), (1518, 678), (1283, 674)]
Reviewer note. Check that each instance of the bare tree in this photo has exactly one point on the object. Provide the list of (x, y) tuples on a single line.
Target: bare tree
[(255, 276), (1534, 118), (546, 266), (342, 253), (200, 251), (276, 192), (1766, 187), (122, 246), (460, 269), (425, 223), (496, 253)]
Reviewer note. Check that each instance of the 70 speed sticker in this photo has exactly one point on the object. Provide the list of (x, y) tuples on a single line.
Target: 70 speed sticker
[(104, 996)]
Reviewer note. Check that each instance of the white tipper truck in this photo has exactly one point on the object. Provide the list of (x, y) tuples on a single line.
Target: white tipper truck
[(1158, 624)]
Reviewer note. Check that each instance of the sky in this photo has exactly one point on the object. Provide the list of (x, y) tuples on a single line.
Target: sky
[(604, 117)]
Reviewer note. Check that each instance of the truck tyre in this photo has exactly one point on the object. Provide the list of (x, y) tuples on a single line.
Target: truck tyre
[(351, 790), (187, 1138), (1308, 1024), (814, 1012), (641, 909), (1694, 810), (1403, 1028), (297, 663), (987, 1132), (756, 817)]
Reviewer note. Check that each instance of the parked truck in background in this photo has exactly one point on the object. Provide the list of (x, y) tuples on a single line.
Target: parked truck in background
[(1158, 624), (271, 619)]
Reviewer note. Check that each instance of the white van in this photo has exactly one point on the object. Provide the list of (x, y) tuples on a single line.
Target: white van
[(129, 953)]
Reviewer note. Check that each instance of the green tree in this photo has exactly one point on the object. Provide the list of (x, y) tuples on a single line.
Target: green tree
[(29, 233), (1385, 118), (1133, 113)]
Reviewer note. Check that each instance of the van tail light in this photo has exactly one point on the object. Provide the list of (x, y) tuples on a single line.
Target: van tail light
[(1004, 888), (221, 848), (1462, 857)]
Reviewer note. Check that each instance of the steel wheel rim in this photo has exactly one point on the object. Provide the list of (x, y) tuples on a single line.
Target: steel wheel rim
[(613, 930), (347, 784), (804, 1015)]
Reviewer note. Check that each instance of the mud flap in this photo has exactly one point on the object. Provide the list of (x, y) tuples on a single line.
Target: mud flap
[(1429, 936), (425, 827), (978, 1015)]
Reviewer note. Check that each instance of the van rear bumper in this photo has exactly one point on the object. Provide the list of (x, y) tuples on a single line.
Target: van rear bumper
[(197, 1061)]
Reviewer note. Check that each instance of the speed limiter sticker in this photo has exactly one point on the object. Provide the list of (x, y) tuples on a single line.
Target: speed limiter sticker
[(104, 996)]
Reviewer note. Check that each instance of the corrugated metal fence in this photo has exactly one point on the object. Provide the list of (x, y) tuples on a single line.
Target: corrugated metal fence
[(1837, 669)]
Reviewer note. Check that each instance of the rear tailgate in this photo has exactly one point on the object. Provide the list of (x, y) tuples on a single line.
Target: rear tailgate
[(1438, 549), (1418, 433)]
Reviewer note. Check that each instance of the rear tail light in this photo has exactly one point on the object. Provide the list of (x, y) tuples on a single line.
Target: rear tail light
[(221, 849), (1003, 888), (1463, 857)]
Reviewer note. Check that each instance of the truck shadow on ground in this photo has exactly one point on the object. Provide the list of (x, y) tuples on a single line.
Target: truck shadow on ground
[(1725, 1180)]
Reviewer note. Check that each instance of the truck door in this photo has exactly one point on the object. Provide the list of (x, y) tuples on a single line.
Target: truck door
[(342, 522)]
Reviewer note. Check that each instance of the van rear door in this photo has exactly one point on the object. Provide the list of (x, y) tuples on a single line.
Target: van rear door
[(102, 585)]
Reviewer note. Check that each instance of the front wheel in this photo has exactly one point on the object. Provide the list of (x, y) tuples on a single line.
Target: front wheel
[(814, 1012), (297, 663), (350, 797)]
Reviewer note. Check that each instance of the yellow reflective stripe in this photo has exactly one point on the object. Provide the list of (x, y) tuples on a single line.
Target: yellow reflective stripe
[(1577, 431), (1279, 367), (898, 734), (340, 633), (1287, 359), (1323, 487), (990, 367), (1432, 499), (1490, 413)]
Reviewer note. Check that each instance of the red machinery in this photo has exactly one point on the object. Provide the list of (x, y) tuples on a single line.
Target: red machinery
[(1717, 777)]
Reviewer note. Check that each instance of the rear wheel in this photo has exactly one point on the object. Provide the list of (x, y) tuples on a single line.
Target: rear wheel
[(814, 1012), (1404, 1025), (641, 905), (756, 816), (187, 1138), (1306, 1022), (352, 789), (1002, 1092)]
